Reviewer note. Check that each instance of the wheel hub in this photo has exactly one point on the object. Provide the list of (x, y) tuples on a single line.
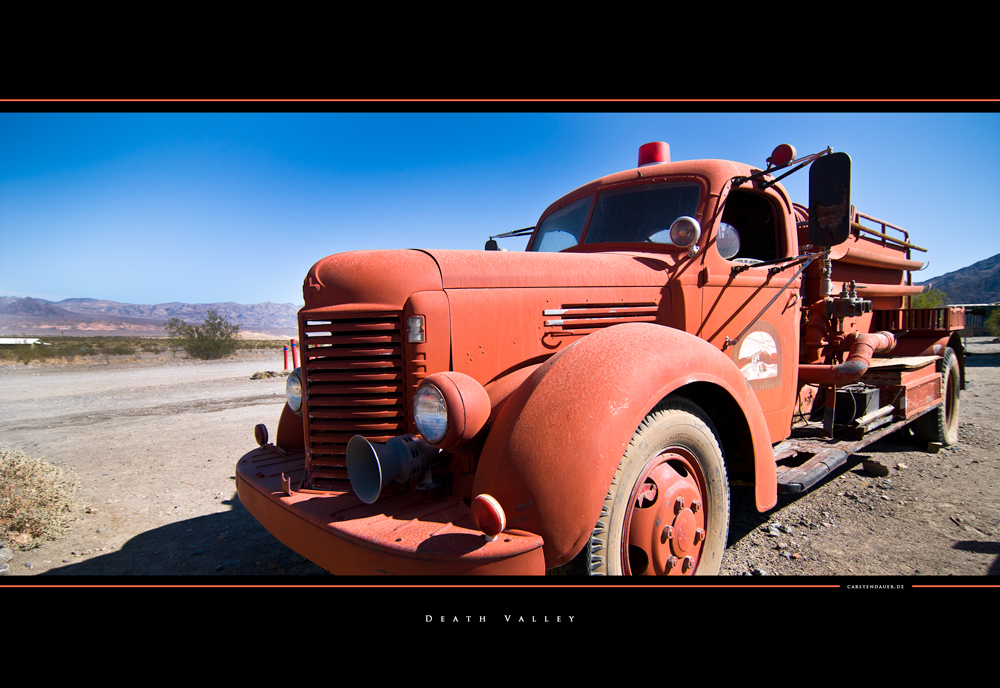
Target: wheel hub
[(666, 523)]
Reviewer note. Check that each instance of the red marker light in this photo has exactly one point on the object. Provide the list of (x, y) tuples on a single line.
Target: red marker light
[(654, 153), (782, 155), (489, 515), (260, 434)]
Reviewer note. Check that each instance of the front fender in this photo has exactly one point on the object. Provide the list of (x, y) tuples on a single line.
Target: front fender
[(290, 435), (557, 442)]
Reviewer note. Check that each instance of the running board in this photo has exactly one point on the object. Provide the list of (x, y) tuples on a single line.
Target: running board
[(826, 456)]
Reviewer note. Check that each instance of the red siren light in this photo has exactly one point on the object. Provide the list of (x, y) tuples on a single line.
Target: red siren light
[(653, 153), (782, 155)]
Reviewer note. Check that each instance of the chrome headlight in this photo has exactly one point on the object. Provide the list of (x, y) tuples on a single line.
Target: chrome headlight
[(293, 391), (685, 231), (430, 413), (450, 409)]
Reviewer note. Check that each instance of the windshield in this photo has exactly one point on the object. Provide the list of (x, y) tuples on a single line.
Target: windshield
[(633, 214), (637, 213)]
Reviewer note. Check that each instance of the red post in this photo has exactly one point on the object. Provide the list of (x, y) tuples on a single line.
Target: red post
[(295, 354), (286, 358)]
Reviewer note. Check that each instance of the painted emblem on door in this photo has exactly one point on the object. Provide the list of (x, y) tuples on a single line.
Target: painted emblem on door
[(758, 356)]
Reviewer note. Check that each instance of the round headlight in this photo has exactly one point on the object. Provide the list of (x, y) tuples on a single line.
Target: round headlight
[(430, 413), (685, 231), (293, 391)]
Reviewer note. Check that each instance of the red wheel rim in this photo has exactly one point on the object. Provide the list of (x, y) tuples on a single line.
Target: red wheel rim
[(665, 521)]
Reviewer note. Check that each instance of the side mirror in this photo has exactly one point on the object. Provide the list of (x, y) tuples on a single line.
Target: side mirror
[(830, 200)]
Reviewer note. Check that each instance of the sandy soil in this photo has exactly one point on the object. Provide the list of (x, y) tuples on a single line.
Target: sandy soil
[(155, 442)]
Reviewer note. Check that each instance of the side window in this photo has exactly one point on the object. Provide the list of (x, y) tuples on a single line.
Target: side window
[(752, 217)]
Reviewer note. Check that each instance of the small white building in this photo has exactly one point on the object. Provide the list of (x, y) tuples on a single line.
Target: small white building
[(22, 340)]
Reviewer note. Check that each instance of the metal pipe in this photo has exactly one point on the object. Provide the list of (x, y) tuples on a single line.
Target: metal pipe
[(899, 242), (862, 348)]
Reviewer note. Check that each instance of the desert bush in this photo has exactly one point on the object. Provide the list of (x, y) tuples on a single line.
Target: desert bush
[(117, 348), (215, 338), (36, 499), (992, 323), (931, 298)]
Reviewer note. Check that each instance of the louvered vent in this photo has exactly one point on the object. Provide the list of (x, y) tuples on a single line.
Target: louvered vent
[(353, 370), (580, 319)]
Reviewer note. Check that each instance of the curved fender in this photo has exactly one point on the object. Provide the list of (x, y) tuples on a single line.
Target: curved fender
[(290, 435), (555, 446)]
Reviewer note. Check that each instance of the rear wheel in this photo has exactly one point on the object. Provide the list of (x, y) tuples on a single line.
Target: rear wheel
[(941, 424), (667, 511)]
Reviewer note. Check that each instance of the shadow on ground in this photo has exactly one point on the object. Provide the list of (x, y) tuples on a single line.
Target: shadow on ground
[(743, 509), (230, 543), (982, 360)]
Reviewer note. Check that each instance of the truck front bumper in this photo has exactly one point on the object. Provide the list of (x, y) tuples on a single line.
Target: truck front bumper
[(405, 534)]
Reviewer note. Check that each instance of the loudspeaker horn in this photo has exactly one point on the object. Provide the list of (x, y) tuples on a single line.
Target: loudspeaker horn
[(371, 467)]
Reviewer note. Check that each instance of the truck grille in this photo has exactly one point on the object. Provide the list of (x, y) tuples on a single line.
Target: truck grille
[(352, 366)]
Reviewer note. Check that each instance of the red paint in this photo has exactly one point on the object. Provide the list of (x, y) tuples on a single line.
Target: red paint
[(549, 361)]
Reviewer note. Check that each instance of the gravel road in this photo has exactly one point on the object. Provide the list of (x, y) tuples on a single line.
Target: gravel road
[(155, 441)]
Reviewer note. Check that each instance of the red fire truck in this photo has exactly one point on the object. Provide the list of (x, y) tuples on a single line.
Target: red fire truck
[(586, 404)]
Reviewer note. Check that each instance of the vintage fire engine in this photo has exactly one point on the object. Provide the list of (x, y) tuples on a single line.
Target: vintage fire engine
[(670, 331)]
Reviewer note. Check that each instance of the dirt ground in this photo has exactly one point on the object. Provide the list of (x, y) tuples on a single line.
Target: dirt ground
[(155, 441)]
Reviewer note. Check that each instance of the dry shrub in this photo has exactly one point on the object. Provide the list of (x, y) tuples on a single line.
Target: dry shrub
[(36, 499)]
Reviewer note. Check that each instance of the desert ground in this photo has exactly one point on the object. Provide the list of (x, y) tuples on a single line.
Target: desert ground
[(154, 441)]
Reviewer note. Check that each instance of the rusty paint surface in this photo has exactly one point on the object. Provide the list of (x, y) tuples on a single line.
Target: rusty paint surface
[(552, 451), (406, 534)]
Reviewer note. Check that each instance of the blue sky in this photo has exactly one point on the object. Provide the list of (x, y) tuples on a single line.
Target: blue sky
[(206, 207)]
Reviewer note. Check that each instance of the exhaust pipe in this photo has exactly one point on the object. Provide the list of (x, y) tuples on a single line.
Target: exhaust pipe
[(371, 467)]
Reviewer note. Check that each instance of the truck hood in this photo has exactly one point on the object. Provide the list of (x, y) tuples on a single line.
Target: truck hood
[(372, 280), (499, 269), (384, 279)]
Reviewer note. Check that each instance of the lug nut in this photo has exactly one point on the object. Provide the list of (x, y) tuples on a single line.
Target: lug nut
[(687, 565), (699, 535), (679, 505), (668, 532), (670, 563), (696, 506)]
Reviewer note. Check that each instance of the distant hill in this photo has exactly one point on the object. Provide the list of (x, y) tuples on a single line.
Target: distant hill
[(101, 317), (978, 283)]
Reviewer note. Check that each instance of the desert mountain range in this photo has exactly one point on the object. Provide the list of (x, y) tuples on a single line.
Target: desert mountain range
[(101, 317), (977, 283)]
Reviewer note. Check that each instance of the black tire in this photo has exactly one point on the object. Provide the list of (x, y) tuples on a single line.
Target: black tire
[(941, 424), (650, 523)]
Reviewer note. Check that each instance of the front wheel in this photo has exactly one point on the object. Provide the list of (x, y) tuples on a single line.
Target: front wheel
[(667, 511)]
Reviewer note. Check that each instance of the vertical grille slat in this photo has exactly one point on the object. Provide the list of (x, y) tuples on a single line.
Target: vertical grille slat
[(354, 385)]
